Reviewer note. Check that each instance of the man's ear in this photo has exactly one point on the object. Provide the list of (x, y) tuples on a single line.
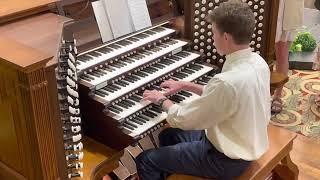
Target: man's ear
[(226, 36)]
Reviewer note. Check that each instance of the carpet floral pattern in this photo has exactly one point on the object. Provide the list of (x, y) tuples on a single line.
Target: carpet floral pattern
[(300, 113)]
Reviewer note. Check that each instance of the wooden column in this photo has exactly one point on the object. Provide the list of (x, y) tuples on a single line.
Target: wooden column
[(27, 134)]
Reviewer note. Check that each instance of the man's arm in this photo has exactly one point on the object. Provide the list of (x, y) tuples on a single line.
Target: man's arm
[(172, 87), (195, 88)]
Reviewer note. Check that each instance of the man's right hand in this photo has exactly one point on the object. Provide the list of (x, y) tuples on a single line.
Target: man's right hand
[(171, 86), (178, 24)]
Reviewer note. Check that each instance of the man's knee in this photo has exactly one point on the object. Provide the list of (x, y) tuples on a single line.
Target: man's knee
[(144, 157), (167, 136)]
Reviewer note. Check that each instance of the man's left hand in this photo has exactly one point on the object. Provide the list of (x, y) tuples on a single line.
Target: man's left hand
[(153, 96)]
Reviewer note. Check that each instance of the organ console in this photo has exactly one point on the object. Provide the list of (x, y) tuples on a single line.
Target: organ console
[(105, 83)]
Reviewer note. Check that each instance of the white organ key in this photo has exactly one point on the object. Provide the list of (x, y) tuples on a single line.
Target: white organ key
[(71, 65), (78, 174), (75, 50), (71, 82), (72, 74), (72, 101), (75, 120), (75, 138), (75, 111), (78, 165), (75, 147), (75, 129), (72, 92), (71, 57), (78, 156)]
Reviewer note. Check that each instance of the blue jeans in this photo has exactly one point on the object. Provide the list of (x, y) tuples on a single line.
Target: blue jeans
[(187, 152)]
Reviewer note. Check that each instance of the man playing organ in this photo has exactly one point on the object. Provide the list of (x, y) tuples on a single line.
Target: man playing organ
[(219, 133)]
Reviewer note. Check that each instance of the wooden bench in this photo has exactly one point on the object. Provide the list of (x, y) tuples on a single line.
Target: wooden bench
[(276, 160)]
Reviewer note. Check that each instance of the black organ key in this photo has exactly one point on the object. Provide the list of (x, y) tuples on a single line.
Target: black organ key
[(145, 35), (126, 103), (133, 39), (156, 87), (143, 117), (100, 94), (205, 79), (158, 29), (140, 73), (150, 32), (191, 70), (159, 66), (179, 97), (156, 110), (94, 74), (128, 60), (113, 110), (114, 107), (140, 119), (104, 91), (115, 65), (123, 82), (131, 124), (197, 66), (120, 83), (184, 93), (136, 121), (108, 89), (114, 46), (201, 82), (115, 86), (134, 77), (187, 71), (154, 114), (146, 52), (87, 78), (174, 99), (163, 45), (129, 101), (146, 113), (84, 58), (122, 105), (95, 54), (128, 79), (176, 58), (99, 72), (108, 68), (128, 126), (135, 98)]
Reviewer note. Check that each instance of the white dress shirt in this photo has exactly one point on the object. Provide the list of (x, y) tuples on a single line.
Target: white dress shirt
[(234, 107)]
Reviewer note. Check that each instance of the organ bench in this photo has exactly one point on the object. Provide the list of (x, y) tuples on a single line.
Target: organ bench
[(276, 160)]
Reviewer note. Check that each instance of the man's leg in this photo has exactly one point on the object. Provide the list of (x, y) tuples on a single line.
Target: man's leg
[(172, 136), (282, 66), (198, 158)]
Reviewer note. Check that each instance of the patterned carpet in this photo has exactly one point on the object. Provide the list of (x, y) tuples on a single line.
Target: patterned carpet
[(300, 114)]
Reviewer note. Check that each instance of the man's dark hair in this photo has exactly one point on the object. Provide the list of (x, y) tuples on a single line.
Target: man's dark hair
[(236, 18)]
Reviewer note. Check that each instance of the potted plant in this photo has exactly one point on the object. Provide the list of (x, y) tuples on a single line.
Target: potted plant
[(302, 51)]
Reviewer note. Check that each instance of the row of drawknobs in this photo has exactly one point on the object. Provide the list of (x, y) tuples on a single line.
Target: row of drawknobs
[(68, 96)]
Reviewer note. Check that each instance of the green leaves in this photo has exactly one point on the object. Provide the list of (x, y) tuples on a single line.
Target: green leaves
[(304, 41)]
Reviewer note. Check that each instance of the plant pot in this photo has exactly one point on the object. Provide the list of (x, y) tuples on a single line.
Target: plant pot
[(302, 60)]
